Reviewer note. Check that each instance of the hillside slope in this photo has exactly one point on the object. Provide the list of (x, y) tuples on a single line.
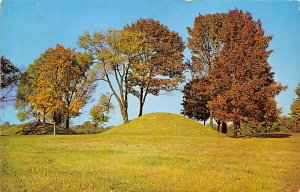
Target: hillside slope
[(163, 124)]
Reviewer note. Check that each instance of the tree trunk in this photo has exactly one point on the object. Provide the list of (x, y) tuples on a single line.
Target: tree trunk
[(204, 122), (211, 119), (141, 102), (44, 116), (219, 125), (54, 129), (124, 114), (141, 110), (237, 130), (224, 127), (67, 122)]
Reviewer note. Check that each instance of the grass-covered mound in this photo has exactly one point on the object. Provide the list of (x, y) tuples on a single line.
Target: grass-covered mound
[(157, 152), (163, 124)]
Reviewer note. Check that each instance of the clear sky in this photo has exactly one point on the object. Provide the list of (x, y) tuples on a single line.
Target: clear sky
[(29, 27)]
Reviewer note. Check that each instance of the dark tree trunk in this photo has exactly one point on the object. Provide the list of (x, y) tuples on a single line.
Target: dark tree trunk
[(141, 102), (224, 127), (141, 110), (44, 116), (67, 122), (211, 119), (204, 122), (219, 125), (237, 130)]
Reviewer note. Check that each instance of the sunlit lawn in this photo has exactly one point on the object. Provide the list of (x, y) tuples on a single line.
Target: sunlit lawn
[(115, 161)]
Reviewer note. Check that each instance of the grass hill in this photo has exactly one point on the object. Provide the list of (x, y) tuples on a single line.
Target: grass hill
[(163, 124), (156, 152)]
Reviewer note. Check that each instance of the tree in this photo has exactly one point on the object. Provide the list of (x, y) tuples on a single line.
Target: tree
[(10, 76), (63, 85), (113, 53), (205, 44), (25, 88), (195, 98), (242, 73), (158, 66), (100, 111), (295, 107)]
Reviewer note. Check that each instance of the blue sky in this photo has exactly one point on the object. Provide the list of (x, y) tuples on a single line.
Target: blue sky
[(29, 27)]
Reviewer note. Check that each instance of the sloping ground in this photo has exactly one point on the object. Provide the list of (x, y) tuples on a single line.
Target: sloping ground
[(163, 124), (157, 152), (11, 130), (34, 129)]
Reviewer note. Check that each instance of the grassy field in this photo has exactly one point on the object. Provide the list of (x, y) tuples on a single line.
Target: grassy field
[(157, 152)]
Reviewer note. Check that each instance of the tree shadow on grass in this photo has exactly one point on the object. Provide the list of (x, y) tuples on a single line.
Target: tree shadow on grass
[(269, 135), (39, 128)]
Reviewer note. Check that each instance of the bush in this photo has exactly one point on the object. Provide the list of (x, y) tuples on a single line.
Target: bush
[(88, 127)]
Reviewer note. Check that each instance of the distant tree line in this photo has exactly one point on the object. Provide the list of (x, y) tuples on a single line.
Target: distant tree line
[(229, 77)]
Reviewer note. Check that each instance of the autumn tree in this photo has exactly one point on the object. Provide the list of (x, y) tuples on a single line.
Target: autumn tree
[(10, 76), (25, 88), (195, 99), (295, 107), (100, 112), (63, 85), (158, 67), (242, 73), (205, 44), (113, 53)]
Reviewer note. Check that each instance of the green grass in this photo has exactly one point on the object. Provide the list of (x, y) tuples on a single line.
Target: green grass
[(11, 130), (157, 152)]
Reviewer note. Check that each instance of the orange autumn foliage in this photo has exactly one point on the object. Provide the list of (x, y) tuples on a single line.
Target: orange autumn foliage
[(63, 85)]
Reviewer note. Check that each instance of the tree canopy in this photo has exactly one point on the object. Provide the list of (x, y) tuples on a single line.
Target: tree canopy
[(159, 65), (295, 107), (113, 53), (99, 112), (62, 84), (231, 50), (195, 99), (10, 76)]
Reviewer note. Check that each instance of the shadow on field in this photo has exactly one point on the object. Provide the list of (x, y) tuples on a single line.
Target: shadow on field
[(270, 135), (39, 128)]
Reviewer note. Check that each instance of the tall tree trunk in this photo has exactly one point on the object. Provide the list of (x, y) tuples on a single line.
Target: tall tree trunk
[(204, 122), (141, 109), (54, 128), (219, 125), (44, 115), (237, 130), (67, 122), (124, 113), (211, 119), (141, 103), (224, 127)]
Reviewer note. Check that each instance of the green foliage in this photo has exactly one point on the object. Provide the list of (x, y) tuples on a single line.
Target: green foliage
[(195, 99), (25, 88), (295, 107), (99, 112), (88, 127), (113, 52), (286, 123)]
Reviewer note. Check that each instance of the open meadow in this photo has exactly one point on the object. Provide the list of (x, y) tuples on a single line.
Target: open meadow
[(157, 152)]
